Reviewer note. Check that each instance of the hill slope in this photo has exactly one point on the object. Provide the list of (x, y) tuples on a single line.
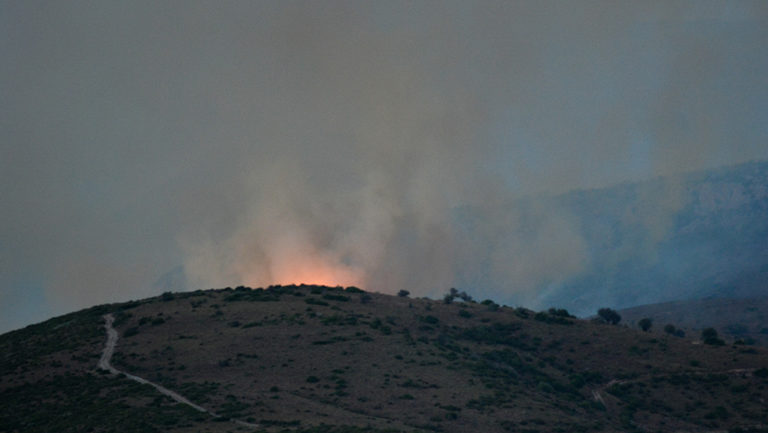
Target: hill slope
[(305, 358), (736, 319)]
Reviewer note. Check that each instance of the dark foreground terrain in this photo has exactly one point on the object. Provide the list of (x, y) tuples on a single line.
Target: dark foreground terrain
[(320, 359)]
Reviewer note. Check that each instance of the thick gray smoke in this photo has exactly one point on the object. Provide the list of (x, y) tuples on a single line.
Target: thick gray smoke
[(384, 144)]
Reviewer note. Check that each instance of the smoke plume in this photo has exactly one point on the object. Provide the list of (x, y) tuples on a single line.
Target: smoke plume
[(390, 145)]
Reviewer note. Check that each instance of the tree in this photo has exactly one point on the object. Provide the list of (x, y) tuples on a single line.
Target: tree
[(670, 329), (645, 324), (465, 297), (403, 293), (453, 294), (709, 336), (609, 315)]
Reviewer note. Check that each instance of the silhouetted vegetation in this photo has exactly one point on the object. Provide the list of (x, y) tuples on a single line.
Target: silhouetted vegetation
[(453, 294), (609, 315), (709, 336), (560, 312), (645, 324), (671, 330)]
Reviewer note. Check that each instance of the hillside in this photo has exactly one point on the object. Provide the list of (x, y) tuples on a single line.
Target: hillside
[(321, 359), (735, 319)]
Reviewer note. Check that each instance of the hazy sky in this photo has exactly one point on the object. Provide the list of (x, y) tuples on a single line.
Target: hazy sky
[(260, 142)]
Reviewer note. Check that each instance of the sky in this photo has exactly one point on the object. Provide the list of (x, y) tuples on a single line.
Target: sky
[(147, 146)]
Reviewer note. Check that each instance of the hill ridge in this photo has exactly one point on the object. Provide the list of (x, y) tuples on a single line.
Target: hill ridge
[(331, 359)]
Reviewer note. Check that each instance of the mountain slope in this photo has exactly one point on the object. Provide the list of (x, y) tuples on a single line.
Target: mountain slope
[(736, 319), (685, 237), (305, 358)]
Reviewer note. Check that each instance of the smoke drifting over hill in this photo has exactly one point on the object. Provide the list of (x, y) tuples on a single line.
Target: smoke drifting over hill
[(380, 144)]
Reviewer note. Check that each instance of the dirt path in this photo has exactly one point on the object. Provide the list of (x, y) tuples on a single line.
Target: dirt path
[(104, 364)]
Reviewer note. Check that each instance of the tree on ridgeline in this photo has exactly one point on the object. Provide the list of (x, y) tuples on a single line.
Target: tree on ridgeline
[(609, 315)]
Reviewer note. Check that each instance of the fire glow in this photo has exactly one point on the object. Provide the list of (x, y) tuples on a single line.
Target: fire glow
[(311, 269)]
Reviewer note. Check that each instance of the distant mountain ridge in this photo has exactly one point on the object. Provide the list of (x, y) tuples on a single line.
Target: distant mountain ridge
[(692, 236)]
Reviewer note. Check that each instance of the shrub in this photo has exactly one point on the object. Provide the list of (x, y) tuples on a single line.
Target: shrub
[(709, 336), (430, 319), (403, 293), (340, 298), (560, 312), (365, 298), (465, 314), (670, 329), (167, 296), (645, 324), (313, 301), (609, 315), (550, 318)]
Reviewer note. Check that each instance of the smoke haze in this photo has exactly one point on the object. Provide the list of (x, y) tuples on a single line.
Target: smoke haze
[(391, 145)]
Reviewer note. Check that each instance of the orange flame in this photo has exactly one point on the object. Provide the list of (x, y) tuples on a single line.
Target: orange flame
[(312, 269)]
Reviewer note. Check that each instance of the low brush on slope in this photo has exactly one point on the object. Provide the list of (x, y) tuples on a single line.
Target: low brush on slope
[(323, 359)]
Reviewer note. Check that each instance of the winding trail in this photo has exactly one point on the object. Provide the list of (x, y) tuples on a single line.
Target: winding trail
[(104, 364)]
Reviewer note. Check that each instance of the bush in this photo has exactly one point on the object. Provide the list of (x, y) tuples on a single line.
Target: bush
[(313, 301), (645, 324), (560, 312), (403, 293), (453, 294), (609, 315), (340, 298), (709, 336), (670, 329), (430, 319)]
